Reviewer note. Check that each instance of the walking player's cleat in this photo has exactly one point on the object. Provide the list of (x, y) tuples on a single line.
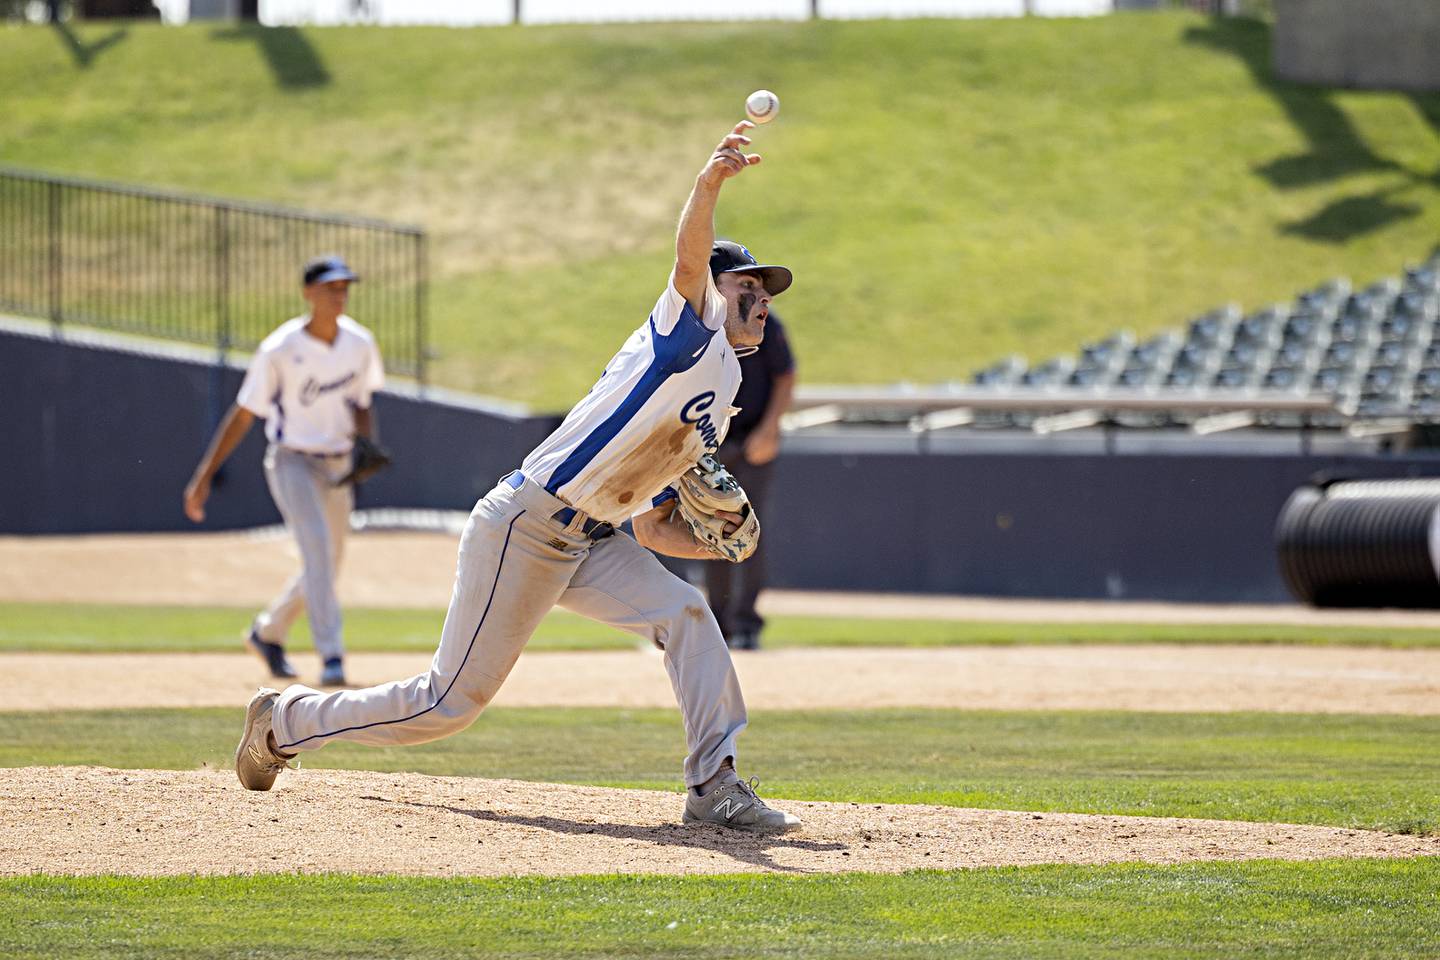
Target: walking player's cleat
[(333, 675), (734, 803), (256, 762), (274, 656)]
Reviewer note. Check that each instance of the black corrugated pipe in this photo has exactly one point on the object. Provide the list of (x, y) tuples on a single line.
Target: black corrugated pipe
[(1360, 543)]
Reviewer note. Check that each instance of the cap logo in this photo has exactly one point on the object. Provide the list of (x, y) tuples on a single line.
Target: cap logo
[(748, 255)]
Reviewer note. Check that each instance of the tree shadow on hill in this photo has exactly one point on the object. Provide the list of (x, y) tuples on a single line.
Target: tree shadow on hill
[(1340, 220), (752, 848), (1428, 106), (289, 55), (83, 53), (1334, 149)]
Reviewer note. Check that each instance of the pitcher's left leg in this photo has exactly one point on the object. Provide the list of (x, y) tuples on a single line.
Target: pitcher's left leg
[(622, 584)]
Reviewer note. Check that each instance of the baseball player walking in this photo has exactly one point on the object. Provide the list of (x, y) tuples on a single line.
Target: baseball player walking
[(545, 535), (311, 380)]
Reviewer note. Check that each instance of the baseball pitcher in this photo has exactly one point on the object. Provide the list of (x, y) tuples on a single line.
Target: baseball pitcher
[(638, 446)]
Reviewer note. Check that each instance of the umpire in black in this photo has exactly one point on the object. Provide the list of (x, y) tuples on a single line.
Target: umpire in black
[(749, 453)]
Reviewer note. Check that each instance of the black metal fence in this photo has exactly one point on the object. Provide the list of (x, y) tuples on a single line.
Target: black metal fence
[(197, 269)]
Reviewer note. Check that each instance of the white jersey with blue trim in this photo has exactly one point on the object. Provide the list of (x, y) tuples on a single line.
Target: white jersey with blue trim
[(307, 389), (663, 401)]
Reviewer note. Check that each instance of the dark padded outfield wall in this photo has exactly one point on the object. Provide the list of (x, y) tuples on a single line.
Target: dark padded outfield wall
[(103, 440), (1156, 527)]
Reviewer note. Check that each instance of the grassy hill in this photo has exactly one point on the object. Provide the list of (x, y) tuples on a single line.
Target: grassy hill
[(946, 191)]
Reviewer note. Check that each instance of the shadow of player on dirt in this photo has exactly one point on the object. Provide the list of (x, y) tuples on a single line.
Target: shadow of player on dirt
[(750, 848)]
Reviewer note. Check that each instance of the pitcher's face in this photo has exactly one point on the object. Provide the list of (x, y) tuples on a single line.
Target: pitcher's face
[(747, 305)]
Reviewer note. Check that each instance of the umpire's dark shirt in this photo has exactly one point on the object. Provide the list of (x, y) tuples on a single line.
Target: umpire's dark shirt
[(758, 372)]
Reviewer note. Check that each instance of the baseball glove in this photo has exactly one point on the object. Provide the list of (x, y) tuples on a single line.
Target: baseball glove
[(366, 460), (707, 488)]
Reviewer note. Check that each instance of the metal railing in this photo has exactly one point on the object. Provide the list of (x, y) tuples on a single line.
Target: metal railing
[(198, 269), (1058, 410)]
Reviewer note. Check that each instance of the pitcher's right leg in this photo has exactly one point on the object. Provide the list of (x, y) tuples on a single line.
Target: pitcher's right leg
[(506, 581)]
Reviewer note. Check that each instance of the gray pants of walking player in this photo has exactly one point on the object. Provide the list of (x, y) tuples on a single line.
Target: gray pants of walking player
[(516, 562), (318, 515)]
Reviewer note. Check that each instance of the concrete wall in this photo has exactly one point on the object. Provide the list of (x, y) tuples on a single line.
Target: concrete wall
[(1383, 44), (103, 440)]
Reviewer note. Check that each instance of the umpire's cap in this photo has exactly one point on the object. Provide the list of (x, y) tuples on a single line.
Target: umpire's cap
[(727, 256), (327, 268)]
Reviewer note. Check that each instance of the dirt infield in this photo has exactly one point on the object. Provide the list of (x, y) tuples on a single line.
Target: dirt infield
[(417, 569), (89, 820), (1169, 678)]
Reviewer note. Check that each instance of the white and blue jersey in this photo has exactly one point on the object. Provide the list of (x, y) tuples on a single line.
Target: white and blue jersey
[(663, 401)]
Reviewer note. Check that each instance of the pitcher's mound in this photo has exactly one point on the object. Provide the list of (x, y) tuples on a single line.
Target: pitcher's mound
[(89, 820)]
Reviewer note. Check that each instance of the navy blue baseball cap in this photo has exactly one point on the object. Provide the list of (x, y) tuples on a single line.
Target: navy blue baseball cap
[(327, 268), (727, 256)]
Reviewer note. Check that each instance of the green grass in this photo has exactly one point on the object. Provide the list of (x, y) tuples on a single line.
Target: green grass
[(1006, 185), (1352, 771), (1339, 909), (108, 629)]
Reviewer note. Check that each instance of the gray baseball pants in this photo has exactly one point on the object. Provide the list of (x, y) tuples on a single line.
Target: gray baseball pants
[(517, 560), (318, 514)]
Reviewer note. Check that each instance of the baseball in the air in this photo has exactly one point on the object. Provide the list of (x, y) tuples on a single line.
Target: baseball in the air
[(762, 106)]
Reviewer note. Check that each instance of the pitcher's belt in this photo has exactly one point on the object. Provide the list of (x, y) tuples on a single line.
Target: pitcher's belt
[(592, 528)]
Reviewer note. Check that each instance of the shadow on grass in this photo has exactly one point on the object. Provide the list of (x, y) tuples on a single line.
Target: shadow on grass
[(291, 59), (1339, 221), (1334, 149), (83, 53), (752, 848)]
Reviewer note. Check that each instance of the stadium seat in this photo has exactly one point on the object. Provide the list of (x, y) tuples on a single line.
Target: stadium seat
[(1427, 382), (1147, 363), (1214, 328), (1333, 380), (1102, 362), (1325, 300), (1282, 378), (1305, 325), (1390, 353), (1052, 373), (1006, 373), (1292, 353), (1341, 353)]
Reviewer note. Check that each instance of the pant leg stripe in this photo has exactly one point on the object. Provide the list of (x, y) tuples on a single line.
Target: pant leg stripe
[(475, 636)]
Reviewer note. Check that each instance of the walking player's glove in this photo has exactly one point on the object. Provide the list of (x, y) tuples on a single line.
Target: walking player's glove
[(707, 488), (366, 460)]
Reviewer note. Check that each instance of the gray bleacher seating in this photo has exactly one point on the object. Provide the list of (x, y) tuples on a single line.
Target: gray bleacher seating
[(1377, 347)]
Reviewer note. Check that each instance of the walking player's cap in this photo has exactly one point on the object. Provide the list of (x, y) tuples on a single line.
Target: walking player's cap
[(727, 256), (327, 268)]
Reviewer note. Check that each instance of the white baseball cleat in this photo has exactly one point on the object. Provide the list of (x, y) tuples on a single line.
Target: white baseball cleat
[(256, 762), (734, 804)]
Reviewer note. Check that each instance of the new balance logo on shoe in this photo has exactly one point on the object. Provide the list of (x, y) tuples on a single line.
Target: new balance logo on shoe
[(729, 806)]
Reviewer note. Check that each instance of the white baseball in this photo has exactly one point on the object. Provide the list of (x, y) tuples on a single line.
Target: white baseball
[(762, 106)]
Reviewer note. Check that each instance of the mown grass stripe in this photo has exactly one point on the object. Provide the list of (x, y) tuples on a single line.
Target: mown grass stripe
[(1322, 909), (113, 628)]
